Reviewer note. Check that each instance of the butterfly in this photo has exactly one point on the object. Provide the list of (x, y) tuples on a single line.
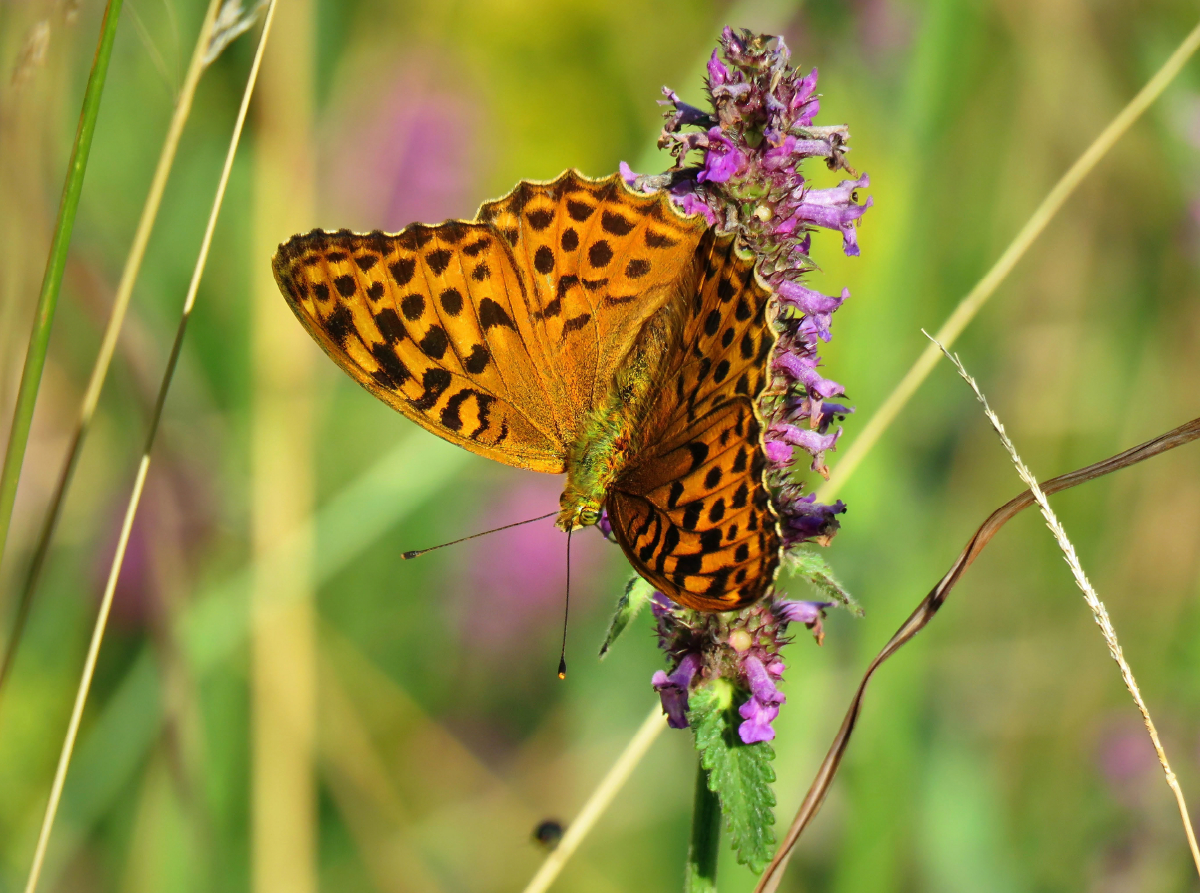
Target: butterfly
[(574, 326)]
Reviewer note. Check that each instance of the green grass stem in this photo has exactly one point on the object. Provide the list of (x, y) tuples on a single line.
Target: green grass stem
[(700, 875), (112, 330), (56, 264), (131, 508)]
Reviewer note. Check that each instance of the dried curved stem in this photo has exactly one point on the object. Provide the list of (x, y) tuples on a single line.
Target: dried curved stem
[(930, 605)]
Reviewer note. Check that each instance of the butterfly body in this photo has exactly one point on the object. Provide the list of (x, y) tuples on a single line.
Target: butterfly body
[(574, 326)]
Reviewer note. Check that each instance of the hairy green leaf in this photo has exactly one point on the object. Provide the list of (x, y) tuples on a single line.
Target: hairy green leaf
[(637, 596), (812, 566), (740, 774)]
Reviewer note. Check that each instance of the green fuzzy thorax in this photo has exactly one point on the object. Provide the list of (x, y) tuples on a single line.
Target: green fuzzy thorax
[(611, 434), (595, 462)]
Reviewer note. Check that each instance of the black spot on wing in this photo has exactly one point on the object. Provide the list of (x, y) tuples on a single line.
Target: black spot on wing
[(452, 301), (540, 219), (474, 248), (392, 372), (492, 314), (403, 269), (600, 253), (390, 326), (575, 323), (579, 210), (435, 382), (637, 268), (434, 343), (340, 325), (413, 306), (699, 453), (477, 360)]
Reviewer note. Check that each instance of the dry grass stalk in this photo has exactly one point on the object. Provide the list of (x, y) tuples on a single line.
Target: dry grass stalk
[(89, 667), (1099, 612), (986, 287), (112, 331), (599, 800)]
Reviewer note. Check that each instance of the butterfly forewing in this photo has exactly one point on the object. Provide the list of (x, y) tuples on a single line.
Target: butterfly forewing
[(501, 334), (420, 319), (692, 511), (601, 261)]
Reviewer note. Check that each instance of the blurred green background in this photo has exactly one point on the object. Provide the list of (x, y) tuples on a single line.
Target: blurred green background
[(999, 752)]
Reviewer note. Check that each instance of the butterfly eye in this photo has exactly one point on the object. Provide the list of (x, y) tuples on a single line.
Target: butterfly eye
[(588, 517)]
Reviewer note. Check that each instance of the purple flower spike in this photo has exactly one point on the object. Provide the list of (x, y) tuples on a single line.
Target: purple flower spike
[(758, 718), (718, 74), (808, 521), (808, 613), (673, 690), (762, 708), (741, 165)]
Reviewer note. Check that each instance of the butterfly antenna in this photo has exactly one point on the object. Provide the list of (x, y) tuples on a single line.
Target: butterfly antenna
[(562, 656), (415, 552)]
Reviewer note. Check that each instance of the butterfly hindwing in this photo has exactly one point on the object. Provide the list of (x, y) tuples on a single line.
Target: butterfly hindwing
[(692, 511)]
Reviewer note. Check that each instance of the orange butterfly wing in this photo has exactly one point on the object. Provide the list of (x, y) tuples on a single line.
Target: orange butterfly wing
[(692, 511), (500, 334)]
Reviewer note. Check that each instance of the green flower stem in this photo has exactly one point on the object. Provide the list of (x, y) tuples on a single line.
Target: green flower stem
[(39, 339), (701, 872), (108, 344)]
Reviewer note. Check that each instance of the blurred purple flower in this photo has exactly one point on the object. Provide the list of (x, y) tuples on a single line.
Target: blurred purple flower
[(402, 151), (513, 581)]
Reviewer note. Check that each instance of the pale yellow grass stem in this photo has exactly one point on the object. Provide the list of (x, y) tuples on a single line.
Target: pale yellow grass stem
[(599, 800), (1099, 612), (112, 329), (986, 287), (89, 667)]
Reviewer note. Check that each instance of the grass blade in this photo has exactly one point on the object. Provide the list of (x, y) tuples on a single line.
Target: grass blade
[(85, 680), (986, 287), (108, 344), (929, 606), (43, 320), (1099, 611)]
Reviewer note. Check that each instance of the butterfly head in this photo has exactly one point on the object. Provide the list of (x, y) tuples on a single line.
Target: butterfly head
[(577, 511)]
